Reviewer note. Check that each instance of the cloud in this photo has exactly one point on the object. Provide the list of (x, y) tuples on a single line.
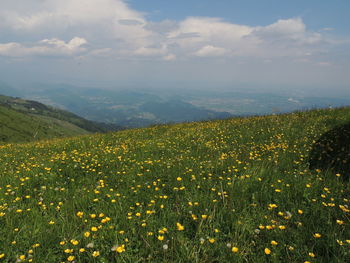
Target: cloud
[(65, 13), (151, 51), (112, 28), (196, 31), (161, 27), (96, 20), (284, 27), (130, 22), (213, 37), (46, 47), (211, 51)]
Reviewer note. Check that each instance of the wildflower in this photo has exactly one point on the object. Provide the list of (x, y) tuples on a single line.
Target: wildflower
[(70, 258), (80, 214), (211, 240), (289, 215), (317, 235), (267, 251), (312, 254), (119, 249), (74, 242), (272, 206), (340, 222), (160, 237), (235, 249), (94, 229), (165, 247), (95, 254), (300, 212), (87, 234), (180, 227), (90, 245), (274, 243)]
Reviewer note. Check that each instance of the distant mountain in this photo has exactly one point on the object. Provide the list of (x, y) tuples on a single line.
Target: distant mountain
[(137, 107), (180, 111), (123, 107), (25, 120)]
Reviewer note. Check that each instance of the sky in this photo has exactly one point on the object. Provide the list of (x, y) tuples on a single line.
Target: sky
[(207, 44)]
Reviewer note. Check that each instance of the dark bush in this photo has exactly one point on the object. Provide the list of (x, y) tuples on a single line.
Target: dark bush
[(332, 151)]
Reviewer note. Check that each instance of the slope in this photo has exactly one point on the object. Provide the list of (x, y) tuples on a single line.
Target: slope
[(42, 110), (20, 127), (236, 190)]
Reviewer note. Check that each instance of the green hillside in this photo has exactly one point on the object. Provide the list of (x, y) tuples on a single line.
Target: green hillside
[(20, 127), (25, 120), (238, 190)]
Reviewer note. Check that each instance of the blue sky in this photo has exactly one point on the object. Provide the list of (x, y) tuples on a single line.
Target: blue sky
[(317, 14), (157, 43)]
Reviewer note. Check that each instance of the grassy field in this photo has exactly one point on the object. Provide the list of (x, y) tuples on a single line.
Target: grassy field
[(20, 127), (237, 190)]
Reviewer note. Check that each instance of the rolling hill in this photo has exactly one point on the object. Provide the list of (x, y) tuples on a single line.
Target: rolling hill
[(25, 120), (259, 189)]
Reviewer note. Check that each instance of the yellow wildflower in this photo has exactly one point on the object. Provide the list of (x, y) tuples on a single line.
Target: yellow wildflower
[(180, 227)]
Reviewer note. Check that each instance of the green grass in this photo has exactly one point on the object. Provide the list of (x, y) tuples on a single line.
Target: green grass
[(25, 120), (22, 127), (243, 183)]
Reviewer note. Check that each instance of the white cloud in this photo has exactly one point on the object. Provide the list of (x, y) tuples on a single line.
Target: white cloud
[(284, 27), (46, 47), (151, 51), (211, 51), (66, 13), (194, 32), (113, 28), (95, 20)]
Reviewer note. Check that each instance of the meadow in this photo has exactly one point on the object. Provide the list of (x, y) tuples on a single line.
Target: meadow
[(236, 190)]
